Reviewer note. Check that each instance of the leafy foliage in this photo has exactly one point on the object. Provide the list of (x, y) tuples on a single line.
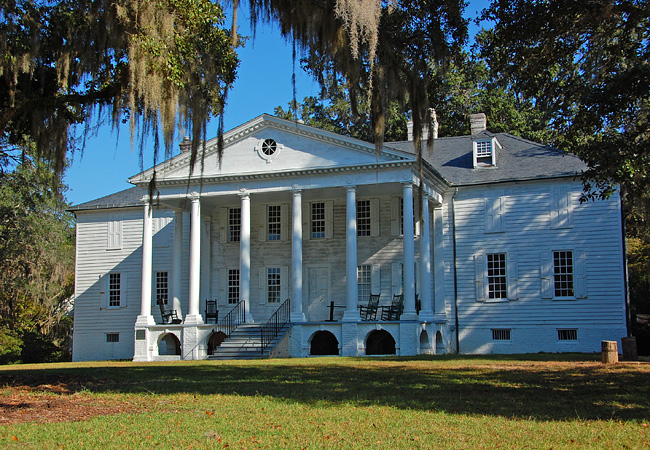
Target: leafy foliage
[(160, 65), (37, 265)]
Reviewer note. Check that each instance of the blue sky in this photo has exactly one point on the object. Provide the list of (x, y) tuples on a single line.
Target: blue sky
[(264, 82)]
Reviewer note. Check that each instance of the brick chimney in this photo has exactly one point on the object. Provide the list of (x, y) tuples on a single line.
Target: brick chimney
[(477, 123), (186, 144), (425, 129)]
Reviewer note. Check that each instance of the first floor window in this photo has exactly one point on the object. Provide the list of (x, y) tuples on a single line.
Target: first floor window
[(496, 275), (274, 223), (273, 285), (114, 289), (162, 287), (318, 220), (364, 282), (233, 286), (363, 217), (234, 224), (563, 273)]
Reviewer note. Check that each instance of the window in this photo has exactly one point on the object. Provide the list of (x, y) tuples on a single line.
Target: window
[(233, 286), (273, 285), (112, 337), (114, 234), (274, 222), (269, 147), (364, 282), (234, 224), (570, 334), (496, 275), (501, 334), (162, 287), (484, 152), (114, 290), (363, 217), (318, 220), (563, 273)]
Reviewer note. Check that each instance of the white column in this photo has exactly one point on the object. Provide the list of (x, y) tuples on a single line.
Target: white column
[(439, 263), (351, 311), (145, 318), (297, 314), (193, 316), (245, 255), (426, 314), (177, 265), (409, 255)]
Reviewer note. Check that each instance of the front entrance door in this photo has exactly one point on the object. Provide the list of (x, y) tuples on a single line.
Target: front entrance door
[(318, 298)]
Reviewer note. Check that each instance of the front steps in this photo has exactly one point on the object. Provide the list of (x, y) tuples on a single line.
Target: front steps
[(245, 343)]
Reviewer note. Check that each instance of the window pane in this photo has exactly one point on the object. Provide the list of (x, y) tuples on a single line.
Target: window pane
[(318, 220), (274, 223), (114, 289), (162, 287), (563, 273), (496, 270), (273, 284), (234, 224), (363, 218), (233, 286)]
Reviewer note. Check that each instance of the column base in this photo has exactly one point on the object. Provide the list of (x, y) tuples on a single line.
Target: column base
[(409, 315), (297, 317), (426, 316), (193, 320), (351, 316), (144, 321)]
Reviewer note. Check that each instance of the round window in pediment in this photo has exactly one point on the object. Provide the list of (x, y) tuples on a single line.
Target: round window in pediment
[(269, 147)]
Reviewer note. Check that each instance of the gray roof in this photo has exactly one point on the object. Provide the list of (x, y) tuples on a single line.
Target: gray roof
[(122, 199), (518, 159)]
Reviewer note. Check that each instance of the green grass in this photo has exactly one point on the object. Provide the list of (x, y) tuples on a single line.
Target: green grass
[(532, 401)]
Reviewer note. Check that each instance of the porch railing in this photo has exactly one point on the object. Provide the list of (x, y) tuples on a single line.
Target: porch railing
[(233, 319), (276, 322)]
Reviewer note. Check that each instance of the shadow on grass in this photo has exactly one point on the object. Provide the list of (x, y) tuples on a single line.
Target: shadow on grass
[(535, 389)]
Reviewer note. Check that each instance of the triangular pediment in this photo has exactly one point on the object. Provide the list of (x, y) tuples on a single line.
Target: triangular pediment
[(268, 144)]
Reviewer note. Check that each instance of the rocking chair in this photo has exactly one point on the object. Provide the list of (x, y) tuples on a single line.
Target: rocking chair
[(394, 310), (369, 311), (168, 315)]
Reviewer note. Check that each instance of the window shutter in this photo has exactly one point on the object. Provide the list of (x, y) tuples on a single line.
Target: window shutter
[(394, 216), (481, 276), (580, 275), (262, 285), (123, 289), (306, 221), (329, 219), (561, 209), (223, 225), (546, 269), (494, 214), (284, 284), (103, 291), (375, 279), (374, 217), (396, 278), (512, 276), (223, 286), (262, 225), (284, 222)]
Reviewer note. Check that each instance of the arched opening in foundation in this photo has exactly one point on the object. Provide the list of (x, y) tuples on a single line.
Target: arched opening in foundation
[(169, 345), (215, 341), (380, 342), (324, 343), (425, 345), (440, 346)]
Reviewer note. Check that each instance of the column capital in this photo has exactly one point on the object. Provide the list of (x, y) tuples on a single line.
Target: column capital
[(243, 193), (145, 200), (352, 188), (194, 196), (295, 188), (408, 183)]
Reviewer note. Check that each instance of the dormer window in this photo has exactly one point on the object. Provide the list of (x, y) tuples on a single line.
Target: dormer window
[(485, 154)]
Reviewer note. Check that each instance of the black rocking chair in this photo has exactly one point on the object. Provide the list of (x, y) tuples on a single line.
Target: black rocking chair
[(394, 310), (211, 311), (369, 312), (168, 315)]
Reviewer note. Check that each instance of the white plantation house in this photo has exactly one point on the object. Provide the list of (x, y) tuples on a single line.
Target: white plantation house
[(487, 250)]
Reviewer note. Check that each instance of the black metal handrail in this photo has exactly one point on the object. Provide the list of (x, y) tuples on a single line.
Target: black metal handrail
[(233, 319), (276, 322)]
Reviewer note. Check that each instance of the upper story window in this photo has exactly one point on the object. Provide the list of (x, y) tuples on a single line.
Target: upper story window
[(234, 224), (114, 289), (318, 220), (274, 222), (363, 218), (484, 153), (114, 234)]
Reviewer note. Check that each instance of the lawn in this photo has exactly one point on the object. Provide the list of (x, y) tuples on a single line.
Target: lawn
[(531, 401)]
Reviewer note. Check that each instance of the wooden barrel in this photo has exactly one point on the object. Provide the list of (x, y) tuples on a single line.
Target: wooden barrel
[(610, 352)]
